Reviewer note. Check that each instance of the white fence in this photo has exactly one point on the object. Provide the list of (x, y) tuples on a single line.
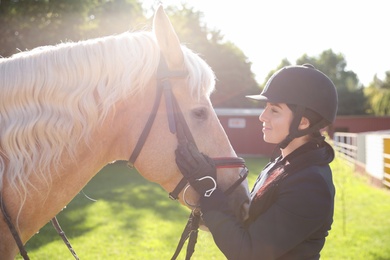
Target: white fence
[(370, 151), (346, 145)]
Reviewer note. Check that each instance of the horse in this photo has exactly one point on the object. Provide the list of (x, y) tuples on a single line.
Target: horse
[(67, 110)]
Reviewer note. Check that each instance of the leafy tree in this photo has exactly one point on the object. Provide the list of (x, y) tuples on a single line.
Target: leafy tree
[(378, 94), (31, 23), (232, 68)]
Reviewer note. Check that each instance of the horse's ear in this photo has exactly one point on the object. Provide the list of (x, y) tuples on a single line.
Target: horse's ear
[(167, 40)]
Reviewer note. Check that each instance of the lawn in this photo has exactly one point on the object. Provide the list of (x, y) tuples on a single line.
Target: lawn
[(134, 219)]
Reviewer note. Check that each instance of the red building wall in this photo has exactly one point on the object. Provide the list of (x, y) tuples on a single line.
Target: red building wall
[(244, 129), (359, 124)]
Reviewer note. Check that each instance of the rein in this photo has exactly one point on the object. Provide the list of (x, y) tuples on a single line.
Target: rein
[(190, 231), (13, 230), (19, 242)]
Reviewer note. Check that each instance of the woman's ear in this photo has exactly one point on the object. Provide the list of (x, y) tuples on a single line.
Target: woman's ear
[(304, 124)]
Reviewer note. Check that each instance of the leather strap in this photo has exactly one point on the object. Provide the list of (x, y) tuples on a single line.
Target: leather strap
[(13, 230)]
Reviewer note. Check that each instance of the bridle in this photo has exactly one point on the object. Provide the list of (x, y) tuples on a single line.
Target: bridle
[(175, 117)]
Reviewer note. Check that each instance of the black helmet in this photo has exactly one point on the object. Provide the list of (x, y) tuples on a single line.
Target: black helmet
[(308, 89)]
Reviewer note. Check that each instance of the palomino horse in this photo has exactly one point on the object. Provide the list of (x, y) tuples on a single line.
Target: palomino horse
[(68, 110)]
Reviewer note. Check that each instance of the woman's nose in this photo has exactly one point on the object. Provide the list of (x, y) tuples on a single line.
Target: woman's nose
[(262, 117)]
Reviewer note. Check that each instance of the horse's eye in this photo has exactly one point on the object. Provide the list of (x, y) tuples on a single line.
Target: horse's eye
[(200, 113)]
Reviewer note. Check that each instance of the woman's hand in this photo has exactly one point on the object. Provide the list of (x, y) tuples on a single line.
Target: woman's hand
[(197, 168)]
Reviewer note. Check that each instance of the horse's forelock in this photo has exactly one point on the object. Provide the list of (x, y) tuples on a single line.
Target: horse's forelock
[(201, 78)]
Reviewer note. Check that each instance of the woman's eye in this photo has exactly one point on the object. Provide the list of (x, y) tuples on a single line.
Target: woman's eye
[(200, 113)]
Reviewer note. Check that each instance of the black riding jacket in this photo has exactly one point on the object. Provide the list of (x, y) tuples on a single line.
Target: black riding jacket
[(288, 221)]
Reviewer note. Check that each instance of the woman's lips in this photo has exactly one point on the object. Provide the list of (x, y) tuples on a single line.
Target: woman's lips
[(266, 128)]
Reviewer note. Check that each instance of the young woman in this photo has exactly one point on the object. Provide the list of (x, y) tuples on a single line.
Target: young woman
[(292, 200)]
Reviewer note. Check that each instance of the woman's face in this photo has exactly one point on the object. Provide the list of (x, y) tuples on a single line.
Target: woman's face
[(276, 119)]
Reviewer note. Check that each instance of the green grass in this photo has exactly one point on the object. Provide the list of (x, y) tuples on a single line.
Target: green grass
[(361, 228), (134, 219)]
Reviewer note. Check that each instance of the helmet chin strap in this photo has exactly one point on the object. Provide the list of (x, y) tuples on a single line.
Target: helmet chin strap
[(294, 131)]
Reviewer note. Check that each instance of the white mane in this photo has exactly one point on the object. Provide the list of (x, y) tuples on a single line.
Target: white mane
[(53, 97)]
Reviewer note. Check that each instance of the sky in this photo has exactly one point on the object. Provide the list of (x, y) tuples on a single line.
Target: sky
[(270, 31)]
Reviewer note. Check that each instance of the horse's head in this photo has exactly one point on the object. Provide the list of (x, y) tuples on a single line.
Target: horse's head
[(191, 82)]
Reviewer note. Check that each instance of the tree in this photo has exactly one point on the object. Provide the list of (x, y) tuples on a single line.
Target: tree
[(378, 94), (232, 68), (32, 23)]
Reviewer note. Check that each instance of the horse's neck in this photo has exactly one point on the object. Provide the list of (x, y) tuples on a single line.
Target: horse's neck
[(45, 200)]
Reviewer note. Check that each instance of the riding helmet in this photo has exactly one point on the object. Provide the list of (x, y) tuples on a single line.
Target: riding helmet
[(302, 85), (306, 88)]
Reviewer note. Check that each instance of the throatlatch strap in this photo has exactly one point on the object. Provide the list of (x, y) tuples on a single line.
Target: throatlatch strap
[(146, 131)]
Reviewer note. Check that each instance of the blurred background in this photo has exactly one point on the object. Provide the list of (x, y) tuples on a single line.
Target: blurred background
[(272, 34)]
